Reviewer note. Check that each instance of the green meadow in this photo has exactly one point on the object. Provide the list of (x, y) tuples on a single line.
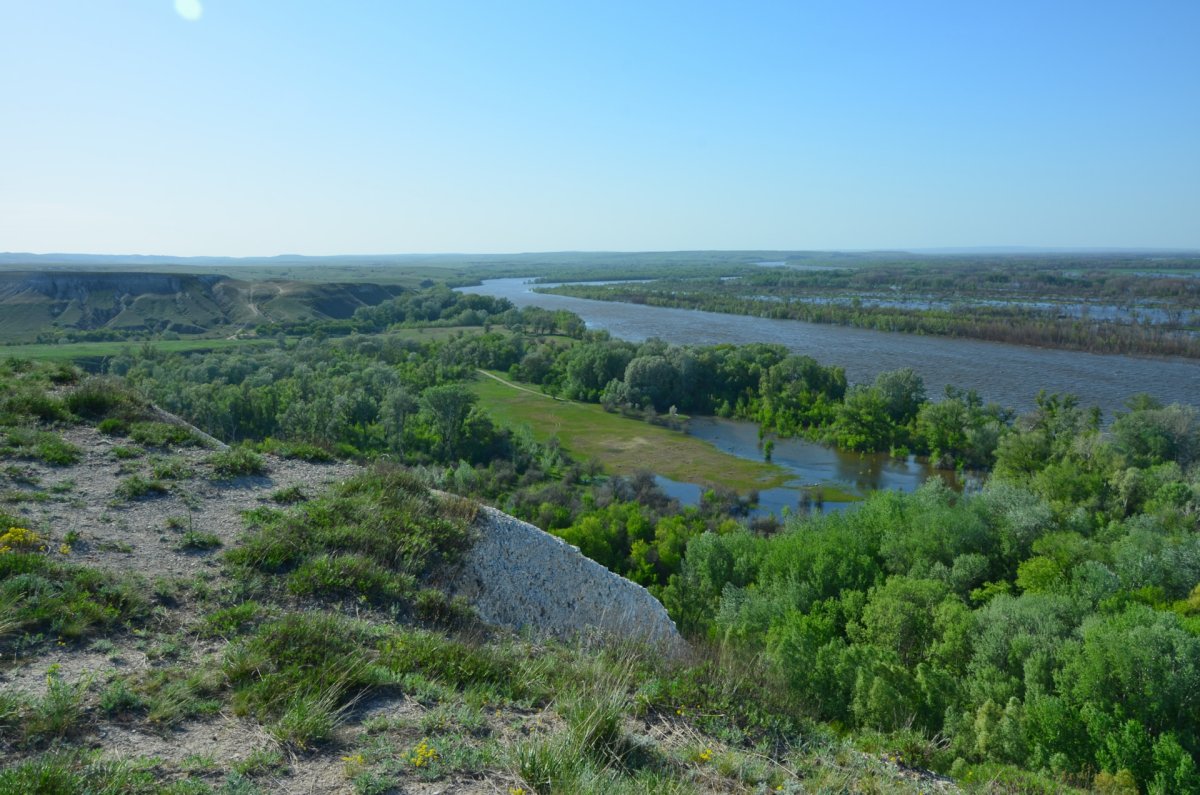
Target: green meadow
[(622, 445)]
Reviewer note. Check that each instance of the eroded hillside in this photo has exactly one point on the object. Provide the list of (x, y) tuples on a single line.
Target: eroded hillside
[(48, 301)]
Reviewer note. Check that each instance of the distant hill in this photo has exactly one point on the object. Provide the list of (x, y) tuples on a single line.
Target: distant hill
[(32, 302)]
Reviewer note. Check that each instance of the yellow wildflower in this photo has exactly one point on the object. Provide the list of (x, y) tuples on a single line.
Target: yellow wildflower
[(354, 764), (20, 539), (423, 755)]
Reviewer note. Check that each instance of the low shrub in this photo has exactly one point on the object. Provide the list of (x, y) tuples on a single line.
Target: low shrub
[(349, 575), (100, 397), (230, 621), (162, 434), (237, 462), (136, 487), (171, 469), (301, 451), (61, 773), (289, 496), (23, 403), (113, 426)]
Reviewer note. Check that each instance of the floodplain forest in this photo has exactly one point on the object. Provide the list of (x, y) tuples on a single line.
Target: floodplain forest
[(1040, 632)]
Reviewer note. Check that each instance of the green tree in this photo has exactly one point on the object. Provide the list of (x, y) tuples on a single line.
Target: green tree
[(448, 406)]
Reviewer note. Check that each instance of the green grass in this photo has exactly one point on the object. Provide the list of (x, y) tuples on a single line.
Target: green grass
[(42, 597), (297, 673), (624, 446), (75, 351), (374, 536), (45, 446), (301, 451), (136, 487), (198, 540), (237, 462), (66, 773)]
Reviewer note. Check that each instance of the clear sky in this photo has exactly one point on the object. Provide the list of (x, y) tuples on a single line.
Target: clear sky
[(256, 127)]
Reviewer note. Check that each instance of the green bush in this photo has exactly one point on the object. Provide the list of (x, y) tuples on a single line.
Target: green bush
[(113, 426), (162, 434), (61, 773), (301, 451), (100, 397), (171, 469), (230, 621), (458, 664), (127, 453), (237, 462), (289, 496), (24, 403), (349, 575)]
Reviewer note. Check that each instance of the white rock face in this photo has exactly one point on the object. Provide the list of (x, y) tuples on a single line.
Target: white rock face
[(522, 577)]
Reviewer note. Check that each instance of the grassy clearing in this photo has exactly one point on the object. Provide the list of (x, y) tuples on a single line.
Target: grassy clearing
[(624, 446), (74, 351)]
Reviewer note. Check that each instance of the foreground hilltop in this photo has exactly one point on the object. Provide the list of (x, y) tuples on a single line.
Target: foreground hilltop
[(178, 616)]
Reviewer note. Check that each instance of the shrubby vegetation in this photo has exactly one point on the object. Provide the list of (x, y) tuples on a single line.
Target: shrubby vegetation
[(1051, 620), (1042, 630)]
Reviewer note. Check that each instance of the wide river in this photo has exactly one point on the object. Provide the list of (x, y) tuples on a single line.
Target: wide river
[(1010, 375)]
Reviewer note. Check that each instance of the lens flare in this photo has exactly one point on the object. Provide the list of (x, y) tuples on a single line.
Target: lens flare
[(191, 10)]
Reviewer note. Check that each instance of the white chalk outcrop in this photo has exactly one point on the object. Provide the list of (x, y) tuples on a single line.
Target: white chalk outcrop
[(519, 576)]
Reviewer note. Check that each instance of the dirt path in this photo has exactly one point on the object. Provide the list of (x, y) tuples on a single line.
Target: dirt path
[(511, 385)]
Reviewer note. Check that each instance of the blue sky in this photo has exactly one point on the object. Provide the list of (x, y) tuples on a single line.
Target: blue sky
[(266, 127)]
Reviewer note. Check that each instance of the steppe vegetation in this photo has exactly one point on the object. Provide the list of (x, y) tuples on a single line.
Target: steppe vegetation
[(1038, 633), (317, 653)]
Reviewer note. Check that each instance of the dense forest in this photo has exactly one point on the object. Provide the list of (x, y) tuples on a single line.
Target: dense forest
[(1047, 622)]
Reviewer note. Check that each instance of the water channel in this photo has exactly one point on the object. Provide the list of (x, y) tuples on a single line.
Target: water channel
[(1007, 374), (1010, 375)]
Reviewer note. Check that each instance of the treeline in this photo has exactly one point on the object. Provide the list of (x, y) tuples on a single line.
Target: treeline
[(784, 393), (1050, 621), (1116, 281), (996, 323)]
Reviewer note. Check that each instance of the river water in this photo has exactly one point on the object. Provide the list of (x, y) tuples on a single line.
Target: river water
[(812, 465), (1010, 375)]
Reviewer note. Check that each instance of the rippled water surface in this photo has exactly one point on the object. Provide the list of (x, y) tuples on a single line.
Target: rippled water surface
[(1007, 374)]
